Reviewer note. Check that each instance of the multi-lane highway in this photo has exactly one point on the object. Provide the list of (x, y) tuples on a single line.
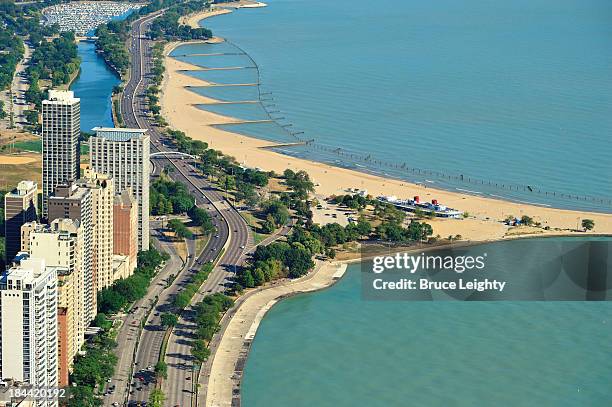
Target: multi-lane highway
[(232, 234), (129, 333)]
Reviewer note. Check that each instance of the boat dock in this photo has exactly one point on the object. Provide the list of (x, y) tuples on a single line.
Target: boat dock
[(84, 17)]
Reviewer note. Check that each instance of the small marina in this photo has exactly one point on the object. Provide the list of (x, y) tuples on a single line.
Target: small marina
[(84, 17)]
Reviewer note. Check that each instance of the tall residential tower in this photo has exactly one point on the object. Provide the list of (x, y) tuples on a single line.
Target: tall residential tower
[(60, 245), (61, 127), (124, 155), (103, 196), (76, 203), (28, 325)]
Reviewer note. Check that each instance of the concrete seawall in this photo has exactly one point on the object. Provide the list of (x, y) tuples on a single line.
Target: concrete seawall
[(222, 386)]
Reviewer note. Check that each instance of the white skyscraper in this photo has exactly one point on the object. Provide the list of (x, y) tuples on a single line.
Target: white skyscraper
[(28, 325), (61, 127), (124, 155)]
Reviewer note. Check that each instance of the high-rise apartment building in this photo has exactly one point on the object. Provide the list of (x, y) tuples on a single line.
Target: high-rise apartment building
[(73, 202), (125, 232), (28, 325), (103, 196), (61, 127), (59, 244), (124, 155), (20, 206)]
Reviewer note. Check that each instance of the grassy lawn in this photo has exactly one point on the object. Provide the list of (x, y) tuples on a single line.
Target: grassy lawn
[(29, 145), (258, 237), (36, 145)]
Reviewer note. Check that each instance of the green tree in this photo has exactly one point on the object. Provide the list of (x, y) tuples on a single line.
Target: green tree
[(31, 116), (161, 369), (588, 224), (200, 217), (228, 182), (82, 396), (526, 220), (200, 351), (157, 398), (168, 319), (268, 225), (110, 301), (276, 211), (258, 277), (94, 368), (363, 227), (101, 321), (181, 231), (181, 300)]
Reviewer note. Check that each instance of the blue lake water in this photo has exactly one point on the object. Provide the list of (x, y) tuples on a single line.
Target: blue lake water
[(94, 87), (226, 93), (505, 98), (331, 348)]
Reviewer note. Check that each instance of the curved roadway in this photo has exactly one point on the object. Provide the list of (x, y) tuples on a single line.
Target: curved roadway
[(233, 234)]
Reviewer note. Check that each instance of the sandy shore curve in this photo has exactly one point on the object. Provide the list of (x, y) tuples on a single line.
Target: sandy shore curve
[(180, 108), (239, 328)]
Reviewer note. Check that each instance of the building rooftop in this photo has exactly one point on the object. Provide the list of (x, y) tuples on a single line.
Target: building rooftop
[(72, 191), (23, 188), (119, 129), (62, 226), (27, 269), (30, 270), (119, 134), (61, 97)]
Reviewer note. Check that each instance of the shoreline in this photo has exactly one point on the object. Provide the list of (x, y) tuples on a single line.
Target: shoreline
[(231, 346), (179, 107), (240, 325), (235, 341), (193, 19)]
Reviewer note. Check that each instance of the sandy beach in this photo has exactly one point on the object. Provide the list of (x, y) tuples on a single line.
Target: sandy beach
[(180, 110), (179, 107), (223, 8), (242, 326), (193, 19)]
